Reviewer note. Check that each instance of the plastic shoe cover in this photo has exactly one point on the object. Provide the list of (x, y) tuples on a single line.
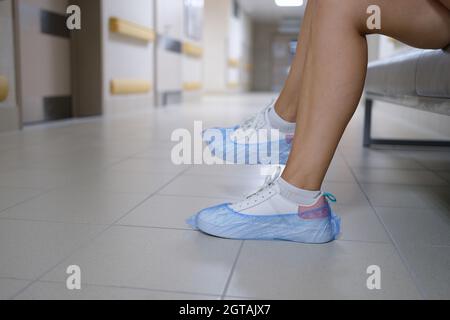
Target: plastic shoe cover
[(233, 152), (316, 224), (252, 142)]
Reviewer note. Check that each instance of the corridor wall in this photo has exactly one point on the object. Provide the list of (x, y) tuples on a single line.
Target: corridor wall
[(9, 114), (127, 58)]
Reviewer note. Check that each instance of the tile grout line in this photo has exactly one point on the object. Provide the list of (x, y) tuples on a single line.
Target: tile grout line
[(393, 242), (40, 194), (149, 197), (134, 288), (227, 284), (50, 190), (91, 240)]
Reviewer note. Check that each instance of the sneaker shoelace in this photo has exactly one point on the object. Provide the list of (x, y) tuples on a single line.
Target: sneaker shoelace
[(261, 194), (270, 181), (251, 126)]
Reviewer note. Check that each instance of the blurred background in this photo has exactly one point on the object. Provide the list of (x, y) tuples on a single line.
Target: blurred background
[(148, 53)]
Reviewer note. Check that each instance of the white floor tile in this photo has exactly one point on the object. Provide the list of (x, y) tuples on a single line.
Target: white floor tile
[(126, 182), (380, 159), (28, 248), (76, 206), (386, 195), (239, 171), (147, 166), (433, 160), (347, 194), (174, 260), (444, 174), (215, 186), (168, 211), (339, 174), (10, 197), (32, 179), (360, 224), (59, 291), (423, 237), (9, 287), (276, 270), (430, 266), (417, 226), (394, 176)]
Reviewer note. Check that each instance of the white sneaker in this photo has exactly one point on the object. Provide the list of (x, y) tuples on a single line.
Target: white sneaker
[(252, 142), (266, 215)]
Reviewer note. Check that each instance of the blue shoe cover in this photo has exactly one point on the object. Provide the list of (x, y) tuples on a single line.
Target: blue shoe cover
[(230, 151), (221, 221)]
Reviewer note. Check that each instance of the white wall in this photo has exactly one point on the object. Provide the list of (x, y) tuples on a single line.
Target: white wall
[(170, 25), (225, 37), (176, 69), (247, 54), (8, 109), (215, 43), (192, 72), (239, 48), (125, 58)]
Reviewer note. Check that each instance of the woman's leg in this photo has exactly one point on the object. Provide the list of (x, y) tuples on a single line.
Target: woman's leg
[(446, 3), (335, 63), (287, 104), (335, 69)]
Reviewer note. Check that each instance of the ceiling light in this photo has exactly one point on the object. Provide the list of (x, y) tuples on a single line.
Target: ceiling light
[(289, 3)]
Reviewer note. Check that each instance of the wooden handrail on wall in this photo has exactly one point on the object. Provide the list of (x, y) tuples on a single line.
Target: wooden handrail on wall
[(131, 29), (234, 63), (192, 50), (192, 86), (130, 86), (4, 88), (233, 85)]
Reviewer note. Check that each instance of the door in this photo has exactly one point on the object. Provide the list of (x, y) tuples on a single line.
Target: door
[(45, 63)]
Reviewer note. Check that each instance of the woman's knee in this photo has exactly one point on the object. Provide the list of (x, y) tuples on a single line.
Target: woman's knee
[(349, 12), (433, 28)]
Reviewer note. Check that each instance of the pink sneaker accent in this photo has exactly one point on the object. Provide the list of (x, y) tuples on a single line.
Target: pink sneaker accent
[(320, 210)]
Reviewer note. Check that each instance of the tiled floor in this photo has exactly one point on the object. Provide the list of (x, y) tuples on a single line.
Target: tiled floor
[(103, 194)]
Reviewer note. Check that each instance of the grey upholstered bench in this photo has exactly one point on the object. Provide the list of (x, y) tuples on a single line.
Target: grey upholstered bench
[(418, 79)]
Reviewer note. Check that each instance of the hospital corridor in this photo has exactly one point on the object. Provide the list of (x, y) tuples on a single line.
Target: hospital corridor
[(104, 108)]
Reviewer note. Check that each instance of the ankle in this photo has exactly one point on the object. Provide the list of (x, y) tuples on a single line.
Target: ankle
[(277, 122), (297, 195), (305, 182), (287, 113)]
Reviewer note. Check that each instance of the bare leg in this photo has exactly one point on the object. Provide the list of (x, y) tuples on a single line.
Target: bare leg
[(446, 3), (335, 68), (287, 104)]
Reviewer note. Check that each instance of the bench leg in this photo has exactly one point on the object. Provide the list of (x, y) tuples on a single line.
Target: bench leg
[(368, 123), (369, 141)]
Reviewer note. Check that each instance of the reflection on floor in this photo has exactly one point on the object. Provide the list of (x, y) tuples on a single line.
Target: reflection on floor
[(102, 194)]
